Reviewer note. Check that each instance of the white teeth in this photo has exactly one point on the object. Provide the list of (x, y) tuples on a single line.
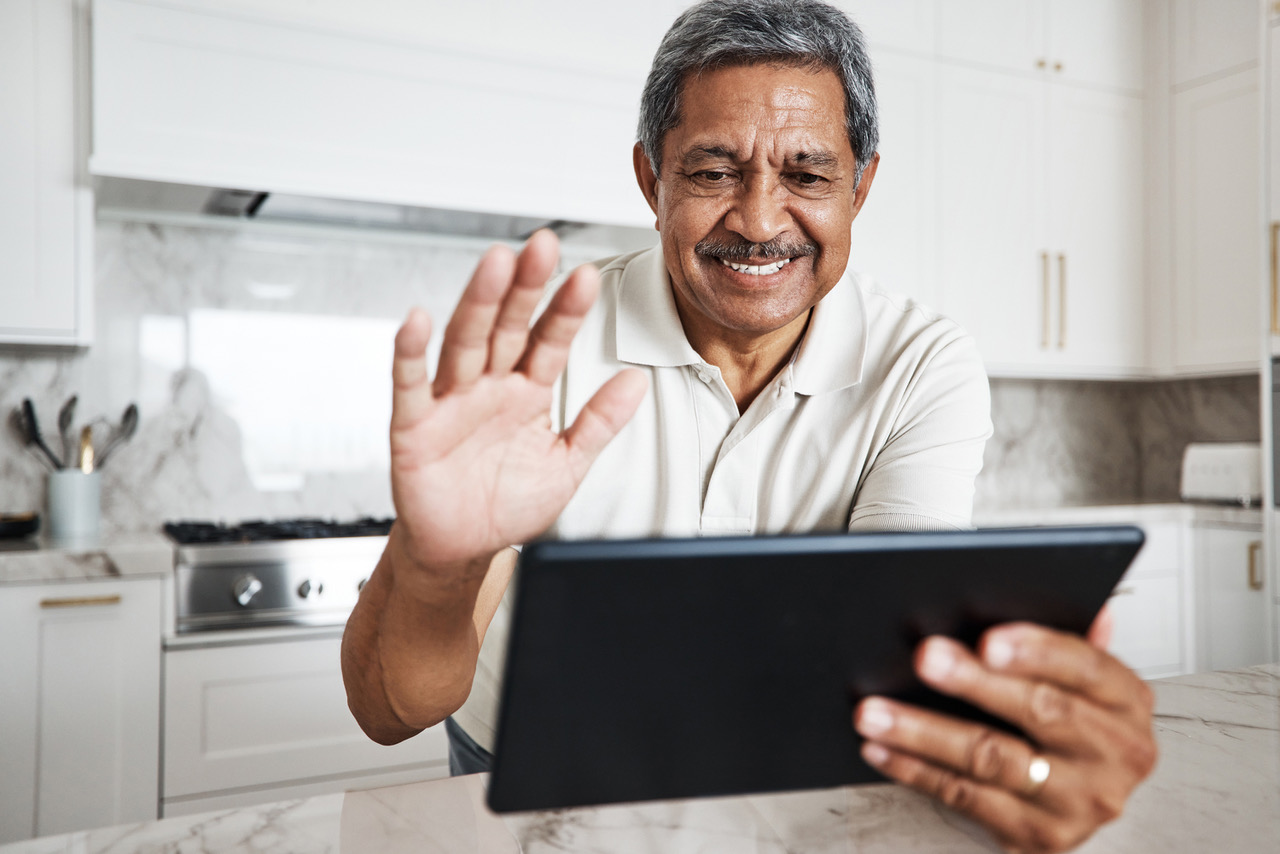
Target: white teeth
[(765, 270)]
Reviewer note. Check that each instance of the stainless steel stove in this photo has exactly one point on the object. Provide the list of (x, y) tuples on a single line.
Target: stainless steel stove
[(297, 572)]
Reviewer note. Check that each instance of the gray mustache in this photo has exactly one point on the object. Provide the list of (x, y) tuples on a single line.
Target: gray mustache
[(743, 251)]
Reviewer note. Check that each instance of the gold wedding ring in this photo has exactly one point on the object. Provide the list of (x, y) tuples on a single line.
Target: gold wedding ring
[(1037, 774)]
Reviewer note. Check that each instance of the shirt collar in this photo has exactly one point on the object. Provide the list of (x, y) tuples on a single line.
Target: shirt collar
[(649, 332), (834, 349), (649, 328)]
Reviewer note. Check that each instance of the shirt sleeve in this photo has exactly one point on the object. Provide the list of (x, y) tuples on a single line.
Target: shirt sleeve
[(923, 478)]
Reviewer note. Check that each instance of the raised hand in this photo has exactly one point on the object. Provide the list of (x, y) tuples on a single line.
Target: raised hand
[(475, 465), (1088, 718)]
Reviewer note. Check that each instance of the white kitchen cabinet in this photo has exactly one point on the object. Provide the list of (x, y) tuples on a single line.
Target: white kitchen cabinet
[(1096, 313), (46, 205), (80, 721), (906, 25), (1217, 226), (993, 210), (1151, 606), (1094, 42), (194, 93), (895, 234), (1040, 223), (254, 723), (1232, 597), (1212, 37), (1008, 34)]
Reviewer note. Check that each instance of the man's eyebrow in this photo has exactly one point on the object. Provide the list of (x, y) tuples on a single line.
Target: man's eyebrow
[(703, 153), (817, 159)]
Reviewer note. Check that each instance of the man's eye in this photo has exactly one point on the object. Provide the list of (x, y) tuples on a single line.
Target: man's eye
[(807, 178), (712, 176)]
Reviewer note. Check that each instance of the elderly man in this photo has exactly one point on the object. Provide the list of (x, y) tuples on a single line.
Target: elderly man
[(735, 379)]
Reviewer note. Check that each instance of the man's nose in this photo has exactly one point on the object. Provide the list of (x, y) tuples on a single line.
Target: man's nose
[(759, 212)]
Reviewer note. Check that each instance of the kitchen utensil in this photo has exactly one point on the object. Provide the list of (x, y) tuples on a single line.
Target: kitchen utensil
[(32, 428), (85, 460), (128, 426), (15, 525), (66, 415)]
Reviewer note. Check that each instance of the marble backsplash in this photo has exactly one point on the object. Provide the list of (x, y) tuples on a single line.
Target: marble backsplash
[(227, 338)]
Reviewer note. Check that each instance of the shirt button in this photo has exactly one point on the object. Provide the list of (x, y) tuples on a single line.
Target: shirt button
[(705, 377)]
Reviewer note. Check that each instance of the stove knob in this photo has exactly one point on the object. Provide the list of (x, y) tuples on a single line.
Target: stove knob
[(245, 588), (306, 588)]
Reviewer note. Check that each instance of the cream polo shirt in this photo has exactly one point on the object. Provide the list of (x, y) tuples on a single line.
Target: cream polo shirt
[(877, 422)]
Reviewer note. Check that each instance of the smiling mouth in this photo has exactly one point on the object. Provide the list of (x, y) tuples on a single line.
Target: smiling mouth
[(757, 269)]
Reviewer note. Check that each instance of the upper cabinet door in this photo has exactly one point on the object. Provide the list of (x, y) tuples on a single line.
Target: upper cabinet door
[(1096, 227), (1008, 34), (1097, 42), (1217, 226), (1213, 37), (45, 210), (908, 25), (895, 233), (992, 231)]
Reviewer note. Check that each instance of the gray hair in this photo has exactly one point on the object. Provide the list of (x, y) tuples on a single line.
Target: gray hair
[(723, 33)]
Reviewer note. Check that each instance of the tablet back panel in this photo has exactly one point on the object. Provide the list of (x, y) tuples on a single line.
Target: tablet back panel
[(639, 670)]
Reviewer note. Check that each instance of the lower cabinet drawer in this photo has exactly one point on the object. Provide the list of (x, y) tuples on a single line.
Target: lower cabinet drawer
[(272, 715)]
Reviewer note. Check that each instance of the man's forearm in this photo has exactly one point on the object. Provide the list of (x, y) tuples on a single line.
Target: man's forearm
[(409, 650)]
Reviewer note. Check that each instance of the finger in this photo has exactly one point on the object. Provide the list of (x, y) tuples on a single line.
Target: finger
[(973, 750), (1066, 660), (464, 353), (1017, 824), (1103, 627), (411, 398), (605, 414), (1050, 715), (548, 350), (534, 266)]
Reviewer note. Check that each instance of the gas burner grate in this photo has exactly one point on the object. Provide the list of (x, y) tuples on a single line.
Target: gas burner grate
[(257, 531)]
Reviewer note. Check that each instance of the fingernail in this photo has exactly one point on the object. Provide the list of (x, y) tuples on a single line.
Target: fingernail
[(875, 718), (939, 660), (874, 753), (998, 652)]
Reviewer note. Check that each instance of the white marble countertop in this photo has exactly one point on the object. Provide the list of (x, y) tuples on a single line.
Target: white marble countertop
[(140, 555), (1088, 514), (1216, 788), (39, 561)]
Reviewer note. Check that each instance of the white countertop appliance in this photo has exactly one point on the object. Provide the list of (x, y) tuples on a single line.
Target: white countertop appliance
[(1223, 472)]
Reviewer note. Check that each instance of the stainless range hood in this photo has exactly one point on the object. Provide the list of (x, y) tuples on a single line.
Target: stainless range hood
[(138, 199)]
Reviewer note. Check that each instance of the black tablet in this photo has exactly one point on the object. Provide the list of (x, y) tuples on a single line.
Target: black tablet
[(650, 669)]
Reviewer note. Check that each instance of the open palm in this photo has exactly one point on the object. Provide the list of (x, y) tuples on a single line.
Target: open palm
[(475, 465)]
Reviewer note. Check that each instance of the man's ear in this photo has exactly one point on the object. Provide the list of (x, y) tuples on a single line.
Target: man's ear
[(646, 178), (864, 185)]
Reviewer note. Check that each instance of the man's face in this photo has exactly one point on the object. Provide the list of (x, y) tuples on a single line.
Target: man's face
[(756, 198)]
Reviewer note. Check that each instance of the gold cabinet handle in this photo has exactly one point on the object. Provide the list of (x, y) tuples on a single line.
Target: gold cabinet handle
[(1255, 565), (1124, 591), (1275, 278), (1062, 300), (1044, 300), (80, 601)]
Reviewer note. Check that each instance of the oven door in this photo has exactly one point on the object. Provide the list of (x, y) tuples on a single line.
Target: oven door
[(253, 717)]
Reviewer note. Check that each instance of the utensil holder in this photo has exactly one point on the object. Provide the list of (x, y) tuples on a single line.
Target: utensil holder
[(74, 505)]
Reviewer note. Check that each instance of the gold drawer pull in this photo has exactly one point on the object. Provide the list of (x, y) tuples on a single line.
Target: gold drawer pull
[(1124, 591), (1275, 278), (1062, 300), (1044, 301), (80, 601), (1255, 565)]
